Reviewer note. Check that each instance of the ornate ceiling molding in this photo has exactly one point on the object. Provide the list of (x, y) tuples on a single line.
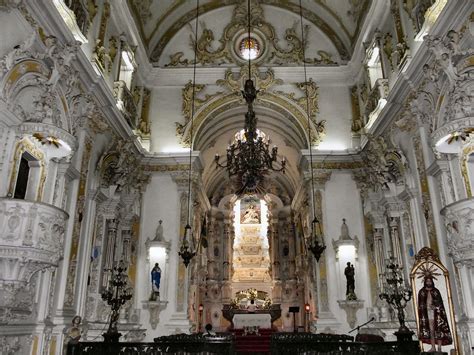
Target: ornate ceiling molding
[(282, 102), (342, 41)]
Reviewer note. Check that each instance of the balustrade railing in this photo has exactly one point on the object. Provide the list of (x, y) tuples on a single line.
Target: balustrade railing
[(125, 102), (223, 343), (376, 99), (315, 344)]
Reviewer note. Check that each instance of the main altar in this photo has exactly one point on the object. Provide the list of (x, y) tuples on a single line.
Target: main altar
[(251, 308)]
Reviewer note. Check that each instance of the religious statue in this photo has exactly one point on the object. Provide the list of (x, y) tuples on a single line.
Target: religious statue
[(155, 282), (349, 272), (251, 215), (73, 333), (434, 326), (159, 232)]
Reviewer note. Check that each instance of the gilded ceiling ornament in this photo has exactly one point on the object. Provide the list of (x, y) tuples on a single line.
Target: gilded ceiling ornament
[(313, 96), (265, 81), (235, 81), (289, 53), (205, 54), (187, 94)]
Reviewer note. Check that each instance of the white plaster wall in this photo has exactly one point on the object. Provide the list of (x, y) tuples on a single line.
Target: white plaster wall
[(165, 110), (218, 19), (335, 108), (160, 201), (13, 29), (343, 201)]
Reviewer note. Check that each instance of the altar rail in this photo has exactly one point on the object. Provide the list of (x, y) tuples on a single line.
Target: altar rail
[(172, 344), (223, 343), (314, 344)]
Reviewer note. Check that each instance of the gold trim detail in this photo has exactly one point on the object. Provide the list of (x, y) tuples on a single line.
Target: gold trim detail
[(465, 155), (291, 53), (264, 80), (425, 260), (25, 145)]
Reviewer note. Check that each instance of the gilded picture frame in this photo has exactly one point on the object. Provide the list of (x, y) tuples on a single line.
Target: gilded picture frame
[(432, 301)]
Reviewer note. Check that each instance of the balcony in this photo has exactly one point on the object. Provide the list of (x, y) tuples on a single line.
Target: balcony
[(460, 228), (376, 101), (125, 103)]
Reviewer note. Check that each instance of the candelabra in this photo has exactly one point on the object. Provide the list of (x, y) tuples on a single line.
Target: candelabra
[(116, 295), (397, 294)]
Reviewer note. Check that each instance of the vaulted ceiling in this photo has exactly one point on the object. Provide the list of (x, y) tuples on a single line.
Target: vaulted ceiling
[(160, 20)]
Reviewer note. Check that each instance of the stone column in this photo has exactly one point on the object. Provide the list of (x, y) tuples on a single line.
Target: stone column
[(275, 246), (395, 239), (76, 175), (211, 262), (109, 250), (326, 317), (459, 224), (379, 254), (228, 244), (292, 245), (60, 188)]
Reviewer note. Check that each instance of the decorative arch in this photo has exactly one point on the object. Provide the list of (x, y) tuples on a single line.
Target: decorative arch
[(32, 76), (331, 26), (273, 101)]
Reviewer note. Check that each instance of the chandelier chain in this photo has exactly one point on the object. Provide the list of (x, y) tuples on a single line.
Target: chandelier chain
[(303, 40), (249, 39), (192, 114), (316, 231)]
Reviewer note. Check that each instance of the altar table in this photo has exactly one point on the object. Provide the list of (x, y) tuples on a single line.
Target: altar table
[(263, 320)]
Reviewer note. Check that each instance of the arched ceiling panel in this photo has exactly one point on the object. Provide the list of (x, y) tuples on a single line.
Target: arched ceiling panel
[(160, 21)]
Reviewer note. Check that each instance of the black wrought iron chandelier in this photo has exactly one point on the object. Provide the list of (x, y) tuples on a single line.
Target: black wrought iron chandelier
[(250, 158), (185, 251), (315, 246)]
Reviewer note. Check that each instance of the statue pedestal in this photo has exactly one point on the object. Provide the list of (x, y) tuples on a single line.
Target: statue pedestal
[(351, 308), (154, 308)]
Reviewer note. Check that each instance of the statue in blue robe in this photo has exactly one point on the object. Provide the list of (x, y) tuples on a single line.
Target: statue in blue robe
[(155, 281)]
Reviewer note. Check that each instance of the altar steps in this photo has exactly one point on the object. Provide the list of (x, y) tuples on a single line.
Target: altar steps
[(251, 343)]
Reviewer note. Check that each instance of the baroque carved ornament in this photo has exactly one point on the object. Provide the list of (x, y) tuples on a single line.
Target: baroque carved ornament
[(273, 52), (293, 103)]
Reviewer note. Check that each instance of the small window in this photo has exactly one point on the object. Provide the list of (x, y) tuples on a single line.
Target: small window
[(22, 178), (374, 65), (126, 68), (249, 48)]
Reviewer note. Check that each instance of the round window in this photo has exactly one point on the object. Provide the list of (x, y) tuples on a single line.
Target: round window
[(249, 48)]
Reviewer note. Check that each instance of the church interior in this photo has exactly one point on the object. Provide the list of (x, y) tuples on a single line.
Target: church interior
[(290, 166)]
